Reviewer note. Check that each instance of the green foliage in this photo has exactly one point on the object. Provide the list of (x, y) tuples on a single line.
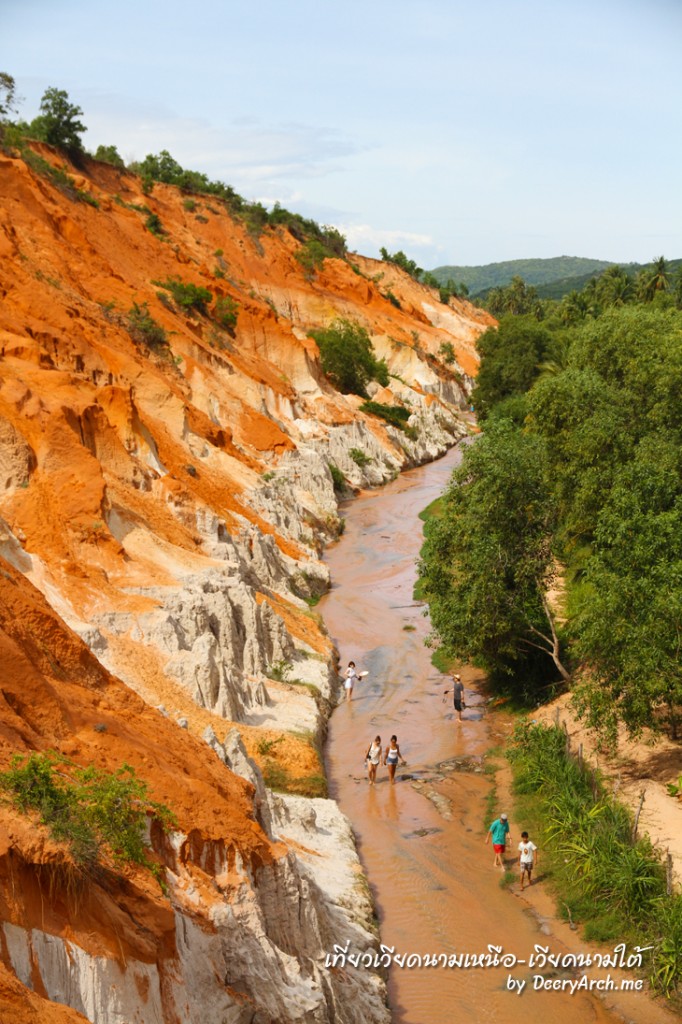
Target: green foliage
[(400, 260), (86, 807), (607, 878), (153, 224), (58, 122), (190, 205), (187, 295), (338, 479), (347, 357), (226, 311), (144, 329), (396, 415), (8, 95), (388, 294), (109, 155), (487, 562), (534, 271), (517, 298), (280, 670), (359, 457), (510, 355), (602, 400), (447, 352), (312, 255)]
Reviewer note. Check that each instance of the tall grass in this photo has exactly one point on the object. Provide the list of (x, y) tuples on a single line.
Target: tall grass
[(611, 882)]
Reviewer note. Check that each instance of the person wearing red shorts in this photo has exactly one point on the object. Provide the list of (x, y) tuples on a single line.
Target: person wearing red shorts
[(499, 832)]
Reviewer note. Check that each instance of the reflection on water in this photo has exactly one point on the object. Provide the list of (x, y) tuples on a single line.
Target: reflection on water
[(422, 840)]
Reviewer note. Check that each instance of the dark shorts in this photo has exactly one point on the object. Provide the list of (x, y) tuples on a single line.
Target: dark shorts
[(458, 705), (526, 866), (499, 847)]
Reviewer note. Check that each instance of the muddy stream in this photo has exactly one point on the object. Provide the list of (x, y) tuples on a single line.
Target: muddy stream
[(422, 840)]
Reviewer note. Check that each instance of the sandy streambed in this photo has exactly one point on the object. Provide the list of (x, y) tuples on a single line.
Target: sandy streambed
[(422, 840)]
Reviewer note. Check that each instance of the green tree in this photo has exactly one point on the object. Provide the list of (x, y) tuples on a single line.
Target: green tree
[(347, 357), (8, 96), (487, 563), (400, 260), (517, 298), (109, 155), (510, 354), (58, 122)]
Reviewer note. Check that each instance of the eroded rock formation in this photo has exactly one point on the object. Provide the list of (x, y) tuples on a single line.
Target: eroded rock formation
[(163, 509)]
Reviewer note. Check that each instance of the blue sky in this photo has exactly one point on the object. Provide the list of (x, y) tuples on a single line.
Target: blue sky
[(460, 132)]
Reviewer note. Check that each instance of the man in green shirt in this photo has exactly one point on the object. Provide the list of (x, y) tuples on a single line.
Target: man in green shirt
[(499, 831)]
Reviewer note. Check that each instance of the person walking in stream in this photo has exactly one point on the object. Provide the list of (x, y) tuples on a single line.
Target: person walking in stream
[(499, 832), (458, 695), (351, 678), (373, 759), (391, 758)]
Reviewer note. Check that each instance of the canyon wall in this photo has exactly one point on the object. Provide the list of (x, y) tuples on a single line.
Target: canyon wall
[(163, 510)]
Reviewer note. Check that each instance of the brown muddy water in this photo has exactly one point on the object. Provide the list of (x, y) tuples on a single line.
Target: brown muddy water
[(421, 841)]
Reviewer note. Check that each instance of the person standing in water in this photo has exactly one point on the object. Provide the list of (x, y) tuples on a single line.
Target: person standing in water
[(391, 758), (373, 759), (350, 680), (458, 695)]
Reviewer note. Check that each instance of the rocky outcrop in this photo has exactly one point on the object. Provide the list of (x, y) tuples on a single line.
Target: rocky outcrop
[(171, 500)]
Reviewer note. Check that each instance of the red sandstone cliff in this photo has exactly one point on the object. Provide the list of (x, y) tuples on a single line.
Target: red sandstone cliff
[(169, 506)]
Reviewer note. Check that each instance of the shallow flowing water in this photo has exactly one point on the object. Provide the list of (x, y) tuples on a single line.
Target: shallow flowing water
[(422, 840)]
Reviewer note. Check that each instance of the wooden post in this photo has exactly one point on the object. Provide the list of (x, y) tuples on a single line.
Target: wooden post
[(639, 811), (580, 756)]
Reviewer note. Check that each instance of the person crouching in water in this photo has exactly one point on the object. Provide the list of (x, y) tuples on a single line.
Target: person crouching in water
[(528, 858), (373, 758), (391, 758)]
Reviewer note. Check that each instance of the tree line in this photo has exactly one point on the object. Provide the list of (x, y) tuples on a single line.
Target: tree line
[(557, 556)]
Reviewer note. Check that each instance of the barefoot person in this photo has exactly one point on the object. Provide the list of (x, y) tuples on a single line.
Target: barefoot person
[(373, 758), (391, 758), (458, 695), (499, 832), (350, 680), (528, 858)]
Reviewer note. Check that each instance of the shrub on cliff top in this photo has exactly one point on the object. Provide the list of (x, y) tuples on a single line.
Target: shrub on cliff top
[(347, 357)]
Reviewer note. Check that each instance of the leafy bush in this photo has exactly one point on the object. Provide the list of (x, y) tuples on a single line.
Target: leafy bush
[(190, 205), (359, 457), (338, 478), (153, 224), (347, 357), (400, 260), (86, 807), (312, 255), (226, 311), (447, 351), (396, 415), (187, 295), (109, 155), (143, 328)]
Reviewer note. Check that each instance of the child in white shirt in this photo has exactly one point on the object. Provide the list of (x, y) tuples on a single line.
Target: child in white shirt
[(528, 858)]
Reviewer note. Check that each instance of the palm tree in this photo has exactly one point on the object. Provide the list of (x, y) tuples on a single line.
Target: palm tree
[(660, 277)]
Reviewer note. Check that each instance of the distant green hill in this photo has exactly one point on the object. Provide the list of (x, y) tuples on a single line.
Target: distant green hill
[(535, 271), (557, 289)]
